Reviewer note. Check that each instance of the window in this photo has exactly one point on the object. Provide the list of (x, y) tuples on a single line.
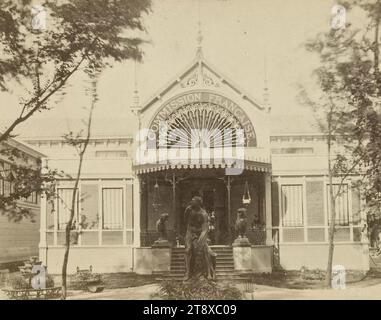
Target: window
[(111, 154), (292, 150), (89, 206), (112, 208), (32, 197), (2, 177), (7, 176), (292, 205), (65, 197), (341, 204)]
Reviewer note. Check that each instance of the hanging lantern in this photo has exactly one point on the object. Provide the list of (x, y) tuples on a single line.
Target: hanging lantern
[(246, 198), (156, 197)]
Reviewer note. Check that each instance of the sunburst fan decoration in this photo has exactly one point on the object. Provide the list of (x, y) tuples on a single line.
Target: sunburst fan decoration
[(203, 125)]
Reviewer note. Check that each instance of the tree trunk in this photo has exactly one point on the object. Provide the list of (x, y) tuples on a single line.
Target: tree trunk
[(331, 245), (68, 232), (331, 199), (74, 198), (65, 261)]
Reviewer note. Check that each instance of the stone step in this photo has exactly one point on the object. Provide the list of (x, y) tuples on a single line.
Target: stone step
[(224, 263), (221, 273), (215, 249), (231, 277), (218, 269), (218, 255), (182, 267), (218, 263), (219, 258)]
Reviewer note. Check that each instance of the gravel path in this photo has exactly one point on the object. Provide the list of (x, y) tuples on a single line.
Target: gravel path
[(370, 291)]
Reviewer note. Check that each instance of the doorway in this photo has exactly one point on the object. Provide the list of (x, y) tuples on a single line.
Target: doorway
[(213, 192)]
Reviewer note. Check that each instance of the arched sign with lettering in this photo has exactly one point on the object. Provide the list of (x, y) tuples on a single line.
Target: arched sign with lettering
[(206, 111)]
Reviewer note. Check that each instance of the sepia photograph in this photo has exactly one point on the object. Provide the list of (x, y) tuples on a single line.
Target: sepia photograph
[(162, 150)]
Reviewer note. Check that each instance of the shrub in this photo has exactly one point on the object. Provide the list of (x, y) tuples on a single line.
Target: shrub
[(314, 274), (17, 282), (81, 280), (49, 281), (201, 289)]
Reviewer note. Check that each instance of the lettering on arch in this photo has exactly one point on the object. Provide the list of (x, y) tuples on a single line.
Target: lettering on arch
[(189, 98)]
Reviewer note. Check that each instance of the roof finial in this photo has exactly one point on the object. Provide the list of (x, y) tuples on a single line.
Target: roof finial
[(266, 89), (199, 36), (135, 107)]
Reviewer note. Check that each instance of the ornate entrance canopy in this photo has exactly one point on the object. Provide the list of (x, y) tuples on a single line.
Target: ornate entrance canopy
[(202, 119)]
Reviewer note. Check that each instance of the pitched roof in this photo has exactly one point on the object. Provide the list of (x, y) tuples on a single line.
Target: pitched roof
[(200, 61)]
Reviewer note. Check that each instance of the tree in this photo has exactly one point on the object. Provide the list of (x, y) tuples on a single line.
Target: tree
[(349, 79), (81, 35), (334, 118), (80, 143), (24, 179)]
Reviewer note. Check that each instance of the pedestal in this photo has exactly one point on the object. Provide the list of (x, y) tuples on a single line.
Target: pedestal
[(161, 244), (161, 258), (241, 242), (242, 257)]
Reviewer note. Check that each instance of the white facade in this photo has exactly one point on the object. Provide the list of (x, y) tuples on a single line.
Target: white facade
[(286, 174)]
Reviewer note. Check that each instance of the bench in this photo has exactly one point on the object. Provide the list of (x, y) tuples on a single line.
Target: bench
[(34, 294), (89, 281)]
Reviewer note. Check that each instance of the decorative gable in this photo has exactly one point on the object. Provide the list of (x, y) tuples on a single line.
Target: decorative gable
[(200, 75)]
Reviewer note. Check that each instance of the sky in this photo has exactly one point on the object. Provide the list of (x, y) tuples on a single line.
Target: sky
[(238, 36)]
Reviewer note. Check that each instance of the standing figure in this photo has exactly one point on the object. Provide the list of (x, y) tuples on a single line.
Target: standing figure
[(199, 258)]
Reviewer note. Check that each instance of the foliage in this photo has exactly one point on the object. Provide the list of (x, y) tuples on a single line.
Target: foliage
[(350, 56), (349, 103), (81, 36), (311, 274), (201, 289), (82, 279), (25, 178), (49, 281), (18, 281)]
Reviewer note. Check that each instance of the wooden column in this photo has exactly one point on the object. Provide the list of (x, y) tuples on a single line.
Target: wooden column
[(137, 209), (267, 181), (175, 217), (228, 186), (43, 244)]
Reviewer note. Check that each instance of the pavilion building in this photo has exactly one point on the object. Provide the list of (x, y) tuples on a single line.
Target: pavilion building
[(202, 135)]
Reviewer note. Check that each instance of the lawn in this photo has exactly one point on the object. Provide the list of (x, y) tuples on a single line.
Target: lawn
[(310, 279)]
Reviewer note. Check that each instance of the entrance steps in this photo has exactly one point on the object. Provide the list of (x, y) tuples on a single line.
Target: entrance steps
[(224, 265)]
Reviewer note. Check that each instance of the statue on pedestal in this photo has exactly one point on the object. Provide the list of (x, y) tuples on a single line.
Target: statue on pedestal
[(241, 228), (199, 258), (161, 226)]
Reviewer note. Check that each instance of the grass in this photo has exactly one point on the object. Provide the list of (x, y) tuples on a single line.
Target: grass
[(313, 279), (122, 280), (277, 279)]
